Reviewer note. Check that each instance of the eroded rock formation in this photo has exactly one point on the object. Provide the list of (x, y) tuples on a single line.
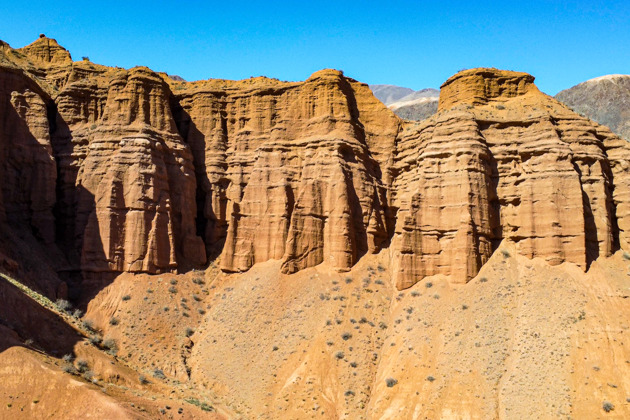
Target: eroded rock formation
[(131, 170), (501, 160), (290, 171)]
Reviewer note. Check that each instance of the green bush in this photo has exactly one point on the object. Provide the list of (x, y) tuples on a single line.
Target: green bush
[(82, 365), (202, 405), (63, 305), (159, 373)]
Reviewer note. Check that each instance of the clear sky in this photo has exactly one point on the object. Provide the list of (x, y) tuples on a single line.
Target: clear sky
[(416, 44)]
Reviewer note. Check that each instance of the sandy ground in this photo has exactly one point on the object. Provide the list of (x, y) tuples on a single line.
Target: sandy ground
[(521, 340)]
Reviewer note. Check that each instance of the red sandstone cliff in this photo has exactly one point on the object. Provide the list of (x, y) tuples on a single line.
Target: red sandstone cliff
[(128, 170)]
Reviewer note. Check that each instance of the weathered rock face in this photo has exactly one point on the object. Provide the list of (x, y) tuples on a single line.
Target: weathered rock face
[(502, 161), (27, 167), (129, 170), (141, 177), (46, 51), (480, 86), (135, 201), (447, 217), (124, 199), (291, 171)]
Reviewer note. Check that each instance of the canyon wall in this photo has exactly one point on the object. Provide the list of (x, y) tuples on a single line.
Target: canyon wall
[(132, 171)]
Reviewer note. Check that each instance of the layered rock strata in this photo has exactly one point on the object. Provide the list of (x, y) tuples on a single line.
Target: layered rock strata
[(130, 170), (119, 178), (520, 166), (290, 171)]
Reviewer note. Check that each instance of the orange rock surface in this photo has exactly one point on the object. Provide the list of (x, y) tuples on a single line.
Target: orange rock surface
[(154, 174), (257, 248)]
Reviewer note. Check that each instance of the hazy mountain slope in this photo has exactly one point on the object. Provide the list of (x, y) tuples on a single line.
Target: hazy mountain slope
[(417, 110), (419, 94), (417, 106), (390, 93), (605, 99), (406, 103)]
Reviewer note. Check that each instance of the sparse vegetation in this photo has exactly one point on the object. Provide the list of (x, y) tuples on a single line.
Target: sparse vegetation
[(428, 285), (346, 336), (143, 379), (88, 375), (82, 365), (70, 369), (63, 305), (608, 406), (158, 373), (189, 332), (126, 297), (483, 280), (88, 324), (172, 289), (202, 405), (113, 321), (505, 253), (430, 378), (110, 345), (339, 355), (391, 382)]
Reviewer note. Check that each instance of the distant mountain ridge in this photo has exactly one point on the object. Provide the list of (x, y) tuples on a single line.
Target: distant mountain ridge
[(415, 105), (390, 93), (605, 99)]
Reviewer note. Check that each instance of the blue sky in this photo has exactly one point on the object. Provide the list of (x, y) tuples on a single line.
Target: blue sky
[(415, 44)]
